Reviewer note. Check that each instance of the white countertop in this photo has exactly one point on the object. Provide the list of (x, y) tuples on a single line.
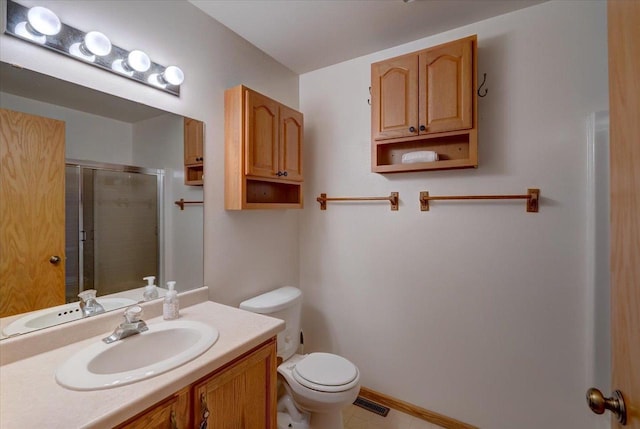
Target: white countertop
[(31, 398)]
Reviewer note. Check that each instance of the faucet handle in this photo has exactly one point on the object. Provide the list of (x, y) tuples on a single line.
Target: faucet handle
[(133, 314), (86, 295)]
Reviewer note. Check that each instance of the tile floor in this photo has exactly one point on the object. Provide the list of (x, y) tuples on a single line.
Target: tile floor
[(355, 417)]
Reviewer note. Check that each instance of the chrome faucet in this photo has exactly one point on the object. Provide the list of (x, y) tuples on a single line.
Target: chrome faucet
[(132, 325), (88, 303)]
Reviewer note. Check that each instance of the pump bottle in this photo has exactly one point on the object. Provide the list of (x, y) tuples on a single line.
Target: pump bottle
[(150, 290), (171, 307)]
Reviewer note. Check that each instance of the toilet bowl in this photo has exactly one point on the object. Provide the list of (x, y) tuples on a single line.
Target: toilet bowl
[(318, 385)]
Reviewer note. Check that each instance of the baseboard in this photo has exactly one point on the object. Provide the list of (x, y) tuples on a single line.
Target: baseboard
[(413, 410)]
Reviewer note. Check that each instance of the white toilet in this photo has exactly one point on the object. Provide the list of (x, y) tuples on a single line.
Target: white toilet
[(318, 385)]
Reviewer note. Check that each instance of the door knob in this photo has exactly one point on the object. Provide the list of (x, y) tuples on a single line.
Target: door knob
[(598, 404), (54, 260)]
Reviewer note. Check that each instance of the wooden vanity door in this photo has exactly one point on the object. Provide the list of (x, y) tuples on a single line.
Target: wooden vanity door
[(241, 396), (32, 212)]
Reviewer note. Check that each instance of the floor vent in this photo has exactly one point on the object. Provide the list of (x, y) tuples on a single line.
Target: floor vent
[(371, 406)]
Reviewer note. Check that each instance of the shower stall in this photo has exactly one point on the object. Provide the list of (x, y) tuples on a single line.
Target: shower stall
[(113, 227)]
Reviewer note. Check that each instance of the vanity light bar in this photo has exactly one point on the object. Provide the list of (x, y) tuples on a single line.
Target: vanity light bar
[(41, 26)]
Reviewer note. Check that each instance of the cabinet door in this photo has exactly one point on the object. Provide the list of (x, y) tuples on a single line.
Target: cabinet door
[(170, 414), (193, 141), (394, 91), (32, 212), (261, 132), (242, 396), (446, 87), (291, 137)]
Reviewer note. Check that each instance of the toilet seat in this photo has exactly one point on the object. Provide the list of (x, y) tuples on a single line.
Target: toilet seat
[(326, 372)]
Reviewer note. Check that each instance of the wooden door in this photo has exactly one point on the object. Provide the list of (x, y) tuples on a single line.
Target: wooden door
[(446, 87), (193, 141), (261, 135), (624, 109), (32, 168), (242, 396), (394, 95), (291, 138)]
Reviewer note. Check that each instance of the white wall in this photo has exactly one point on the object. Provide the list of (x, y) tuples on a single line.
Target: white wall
[(88, 137), (155, 145), (245, 253), (476, 310)]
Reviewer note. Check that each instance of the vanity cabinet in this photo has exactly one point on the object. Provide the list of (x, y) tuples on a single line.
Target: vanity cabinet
[(241, 394), (193, 151), (263, 152), (172, 413), (425, 100)]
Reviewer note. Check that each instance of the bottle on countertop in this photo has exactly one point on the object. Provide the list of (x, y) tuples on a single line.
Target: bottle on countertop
[(171, 307), (150, 290)]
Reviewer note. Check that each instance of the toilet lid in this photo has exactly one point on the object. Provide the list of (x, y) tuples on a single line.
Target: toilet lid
[(326, 372)]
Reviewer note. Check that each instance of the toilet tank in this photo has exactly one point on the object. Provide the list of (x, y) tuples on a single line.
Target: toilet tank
[(284, 303)]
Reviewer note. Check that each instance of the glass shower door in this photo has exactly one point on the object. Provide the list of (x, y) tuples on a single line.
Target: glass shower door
[(125, 229)]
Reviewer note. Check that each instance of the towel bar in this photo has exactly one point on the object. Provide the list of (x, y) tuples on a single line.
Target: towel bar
[(532, 197), (393, 199)]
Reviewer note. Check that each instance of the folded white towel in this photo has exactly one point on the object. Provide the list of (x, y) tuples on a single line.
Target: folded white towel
[(419, 156)]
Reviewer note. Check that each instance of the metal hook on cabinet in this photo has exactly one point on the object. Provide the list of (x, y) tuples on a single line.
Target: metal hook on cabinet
[(484, 80)]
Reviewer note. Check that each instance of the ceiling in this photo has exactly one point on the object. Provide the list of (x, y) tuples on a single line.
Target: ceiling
[(306, 35)]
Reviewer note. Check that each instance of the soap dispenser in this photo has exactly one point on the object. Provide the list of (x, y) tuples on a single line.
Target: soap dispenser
[(170, 307), (150, 290)]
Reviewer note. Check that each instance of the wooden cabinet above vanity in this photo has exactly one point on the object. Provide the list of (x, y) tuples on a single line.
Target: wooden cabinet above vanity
[(263, 152), (425, 101), (193, 151)]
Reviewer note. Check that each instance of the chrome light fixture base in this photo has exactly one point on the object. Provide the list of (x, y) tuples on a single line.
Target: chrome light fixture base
[(69, 41)]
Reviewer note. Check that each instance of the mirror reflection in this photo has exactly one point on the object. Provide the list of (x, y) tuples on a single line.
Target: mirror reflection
[(96, 205)]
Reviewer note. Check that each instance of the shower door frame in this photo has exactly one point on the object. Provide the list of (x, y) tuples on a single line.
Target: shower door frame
[(159, 173)]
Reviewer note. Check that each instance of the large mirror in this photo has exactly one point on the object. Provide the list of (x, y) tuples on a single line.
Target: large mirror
[(123, 171)]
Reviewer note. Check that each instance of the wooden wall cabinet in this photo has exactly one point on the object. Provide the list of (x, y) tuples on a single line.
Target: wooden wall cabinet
[(263, 152), (193, 151), (425, 100), (241, 394)]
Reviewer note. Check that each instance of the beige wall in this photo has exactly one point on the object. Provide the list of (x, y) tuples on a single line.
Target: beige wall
[(475, 310)]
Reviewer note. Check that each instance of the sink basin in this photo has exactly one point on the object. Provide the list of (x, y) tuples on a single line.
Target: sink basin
[(166, 345), (59, 314)]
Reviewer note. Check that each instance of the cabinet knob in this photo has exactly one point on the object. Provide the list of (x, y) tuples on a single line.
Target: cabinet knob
[(423, 128), (285, 174), (55, 260), (280, 173), (412, 129)]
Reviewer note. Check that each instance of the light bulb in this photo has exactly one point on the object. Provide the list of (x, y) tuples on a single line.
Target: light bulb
[(97, 43), (94, 43), (44, 21), (41, 22), (172, 75), (137, 61)]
